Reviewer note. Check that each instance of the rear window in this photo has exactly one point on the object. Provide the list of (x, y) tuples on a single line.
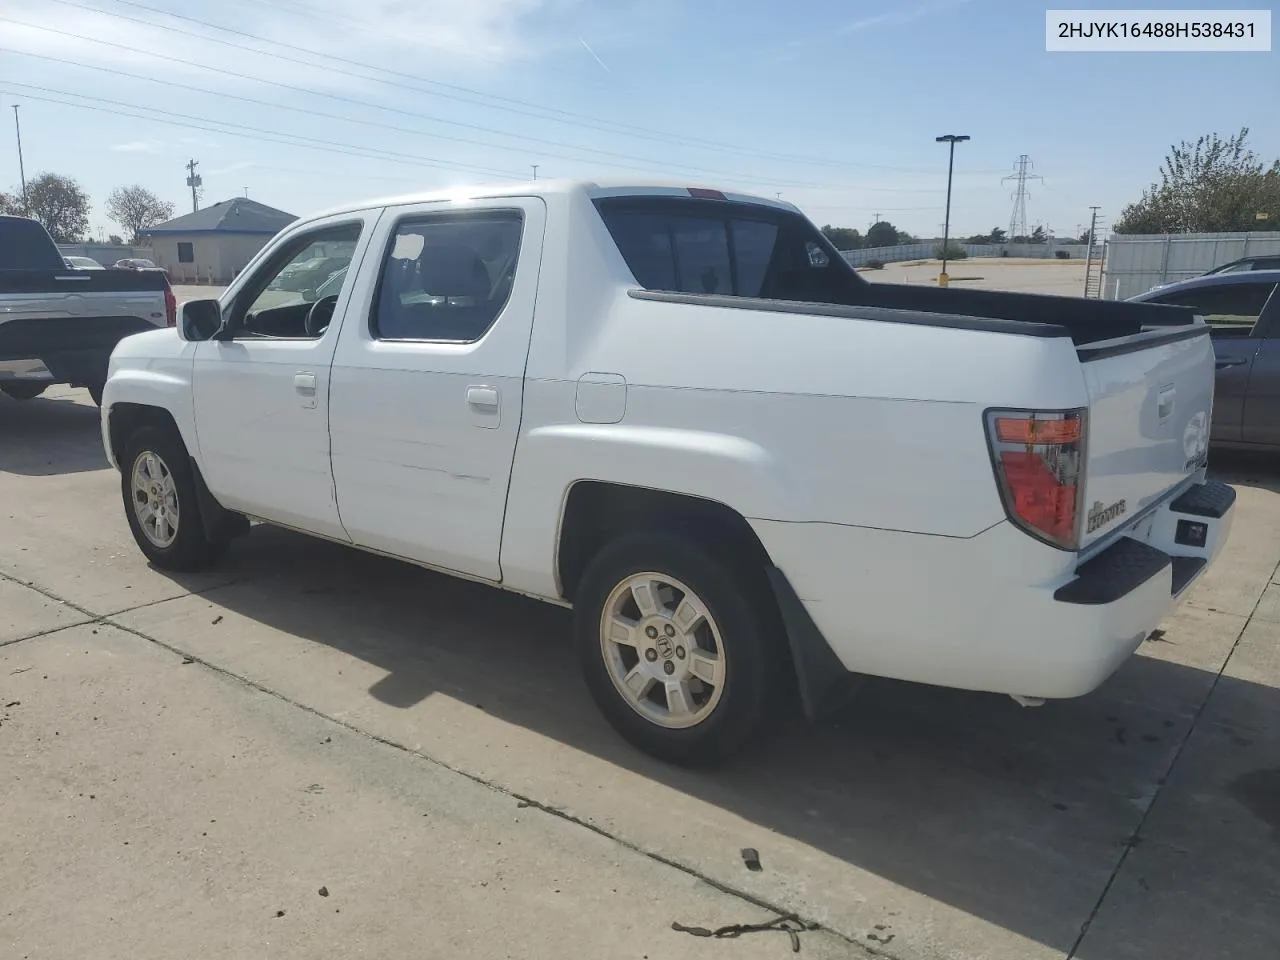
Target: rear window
[(25, 245), (731, 249)]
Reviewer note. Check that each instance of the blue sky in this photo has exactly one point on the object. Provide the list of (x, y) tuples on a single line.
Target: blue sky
[(834, 105)]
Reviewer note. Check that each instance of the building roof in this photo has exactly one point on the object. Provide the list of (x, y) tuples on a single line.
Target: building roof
[(238, 215)]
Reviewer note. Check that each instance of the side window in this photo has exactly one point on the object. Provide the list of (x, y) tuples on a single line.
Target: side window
[(186, 253), (291, 295), (1231, 310), (446, 277)]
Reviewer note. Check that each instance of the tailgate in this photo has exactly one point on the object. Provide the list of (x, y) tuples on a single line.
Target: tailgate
[(1150, 399)]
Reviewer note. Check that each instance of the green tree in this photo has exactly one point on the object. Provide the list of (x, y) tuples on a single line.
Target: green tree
[(995, 236), (116, 239), (843, 238), (1038, 236), (11, 204), (60, 205), (883, 234), (1209, 186)]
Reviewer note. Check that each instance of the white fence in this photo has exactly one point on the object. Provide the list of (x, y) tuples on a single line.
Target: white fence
[(926, 250), (105, 253), (1136, 263)]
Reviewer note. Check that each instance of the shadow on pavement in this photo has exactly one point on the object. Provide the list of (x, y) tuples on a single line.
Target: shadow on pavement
[(1016, 816), (50, 435)]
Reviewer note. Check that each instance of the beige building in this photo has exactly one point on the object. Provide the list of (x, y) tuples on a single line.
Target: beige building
[(214, 244)]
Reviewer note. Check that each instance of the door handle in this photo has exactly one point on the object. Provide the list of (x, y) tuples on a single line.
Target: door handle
[(1223, 364), (305, 384), (485, 398)]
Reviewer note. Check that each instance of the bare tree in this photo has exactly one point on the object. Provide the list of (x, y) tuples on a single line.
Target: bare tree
[(135, 208)]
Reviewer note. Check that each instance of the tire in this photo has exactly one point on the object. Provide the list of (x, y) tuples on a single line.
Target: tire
[(173, 484), (95, 393), (735, 614), (22, 389)]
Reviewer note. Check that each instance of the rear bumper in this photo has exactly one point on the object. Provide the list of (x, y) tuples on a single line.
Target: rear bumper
[(72, 350), (998, 612)]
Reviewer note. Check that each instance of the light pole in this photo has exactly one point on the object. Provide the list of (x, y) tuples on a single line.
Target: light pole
[(952, 139), (22, 171)]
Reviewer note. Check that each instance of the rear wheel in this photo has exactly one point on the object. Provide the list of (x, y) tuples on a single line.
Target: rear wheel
[(677, 645), (160, 502), (22, 389)]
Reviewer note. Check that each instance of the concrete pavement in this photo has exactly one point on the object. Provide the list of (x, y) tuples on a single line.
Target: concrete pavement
[(921, 823)]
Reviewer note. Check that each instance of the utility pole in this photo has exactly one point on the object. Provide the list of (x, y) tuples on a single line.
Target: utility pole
[(22, 170), (194, 181), (951, 139), (535, 170)]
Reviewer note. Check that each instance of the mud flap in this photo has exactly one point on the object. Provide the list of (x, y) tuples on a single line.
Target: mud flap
[(219, 523), (825, 684)]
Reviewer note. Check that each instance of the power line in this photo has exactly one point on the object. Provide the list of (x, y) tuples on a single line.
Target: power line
[(398, 128), (256, 133), (519, 106), (660, 165)]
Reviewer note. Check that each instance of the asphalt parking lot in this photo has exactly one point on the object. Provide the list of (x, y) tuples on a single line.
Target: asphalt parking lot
[(186, 762)]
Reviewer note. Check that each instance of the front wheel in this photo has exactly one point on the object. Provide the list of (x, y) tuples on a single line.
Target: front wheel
[(160, 502), (677, 647)]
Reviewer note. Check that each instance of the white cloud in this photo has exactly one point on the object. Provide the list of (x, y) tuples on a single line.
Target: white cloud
[(431, 38), (138, 146), (901, 15)]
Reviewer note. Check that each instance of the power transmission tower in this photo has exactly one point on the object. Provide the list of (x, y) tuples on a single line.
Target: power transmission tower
[(194, 181), (1018, 219)]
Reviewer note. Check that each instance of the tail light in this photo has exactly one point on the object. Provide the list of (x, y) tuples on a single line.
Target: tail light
[(1039, 463), (170, 306)]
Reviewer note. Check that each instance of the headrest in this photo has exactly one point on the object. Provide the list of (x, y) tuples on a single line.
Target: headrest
[(453, 271)]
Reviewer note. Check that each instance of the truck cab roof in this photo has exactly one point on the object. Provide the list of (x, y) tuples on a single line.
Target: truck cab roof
[(589, 189)]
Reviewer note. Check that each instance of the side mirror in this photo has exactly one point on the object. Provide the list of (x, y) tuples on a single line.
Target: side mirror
[(308, 296), (199, 319)]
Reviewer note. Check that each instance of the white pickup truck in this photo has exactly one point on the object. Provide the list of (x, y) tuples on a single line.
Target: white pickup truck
[(680, 412)]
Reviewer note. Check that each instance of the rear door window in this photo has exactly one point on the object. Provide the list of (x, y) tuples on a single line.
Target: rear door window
[(446, 277)]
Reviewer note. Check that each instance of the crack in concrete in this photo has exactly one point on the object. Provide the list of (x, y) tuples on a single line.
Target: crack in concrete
[(1136, 837), (530, 802), (520, 798)]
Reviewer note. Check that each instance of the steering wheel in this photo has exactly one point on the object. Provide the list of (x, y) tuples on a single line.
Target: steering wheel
[(319, 315)]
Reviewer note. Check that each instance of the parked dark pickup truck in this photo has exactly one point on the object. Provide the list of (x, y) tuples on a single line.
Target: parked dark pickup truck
[(59, 325)]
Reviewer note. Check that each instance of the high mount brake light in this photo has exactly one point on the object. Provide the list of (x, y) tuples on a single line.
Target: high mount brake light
[(170, 306), (1039, 464)]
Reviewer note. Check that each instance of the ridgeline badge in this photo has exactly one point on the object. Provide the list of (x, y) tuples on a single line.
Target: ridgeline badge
[(1100, 516)]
